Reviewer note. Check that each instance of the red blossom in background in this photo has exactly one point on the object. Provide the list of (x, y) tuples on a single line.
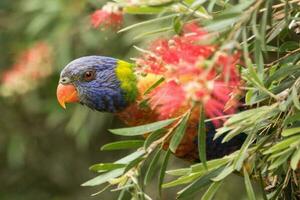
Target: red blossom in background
[(191, 75), (32, 65), (110, 16)]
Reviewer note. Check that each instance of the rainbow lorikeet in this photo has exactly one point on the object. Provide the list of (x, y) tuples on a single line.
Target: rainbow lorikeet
[(110, 85)]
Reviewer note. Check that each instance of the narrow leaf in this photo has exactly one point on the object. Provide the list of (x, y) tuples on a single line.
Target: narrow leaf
[(160, 30), (154, 85), (183, 180), (202, 138), (152, 166), (179, 172), (155, 20), (276, 30), (281, 73), (211, 191), (179, 133), (211, 165), (142, 10), (295, 159), (131, 157), (203, 181), (106, 166), (163, 170), (125, 144), (249, 189), (133, 163), (283, 144), (238, 163), (152, 137), (295, 98), (104, 177), (280, 161), (227, 171), (140, 130), (290, 131)]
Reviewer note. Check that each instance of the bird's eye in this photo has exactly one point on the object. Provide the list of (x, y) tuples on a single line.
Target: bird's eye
[(89, 75)]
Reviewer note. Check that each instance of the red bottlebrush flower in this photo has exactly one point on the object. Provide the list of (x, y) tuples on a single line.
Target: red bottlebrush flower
[(109, 16), (184, 62), (178, 49), (32, 65), (167, 99)]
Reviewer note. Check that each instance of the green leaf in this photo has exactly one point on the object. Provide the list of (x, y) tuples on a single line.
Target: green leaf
[(104, 177), (255, 28), (238, 163), (227, 171), (155, 20), (288, 46), (154, 85), (202, 137), (276, 30), (177, 25), (249, 63), (133, 163), (279, 161), (282, 73), (290, 131), (223, 23), (295, 98), (179, 133), (163, 170), (211, 191), (179, 172), (131, 157), (259, 60), (194, 187), (144, 10), (248, 97), (264, 22), (160, 30), (152, 166), (293, 118), (153, 136), (249, 189), (140, 130), (183, 180), (295, 159), (211, 165), (238, 8), (101, 191), (125, 144), (283, 144), (121, 195), (236, 131), (106, 167), (197, 3), (114, 173)]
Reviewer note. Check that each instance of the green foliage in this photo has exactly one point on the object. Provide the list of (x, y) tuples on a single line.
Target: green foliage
[(264, 32)]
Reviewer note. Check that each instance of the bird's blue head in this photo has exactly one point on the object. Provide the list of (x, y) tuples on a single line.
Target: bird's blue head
[(101, 83)]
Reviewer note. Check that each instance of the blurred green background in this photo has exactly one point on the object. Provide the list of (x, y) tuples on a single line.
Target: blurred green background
[(46, 151)]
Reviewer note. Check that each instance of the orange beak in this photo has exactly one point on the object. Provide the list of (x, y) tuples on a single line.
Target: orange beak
[(66, 94)]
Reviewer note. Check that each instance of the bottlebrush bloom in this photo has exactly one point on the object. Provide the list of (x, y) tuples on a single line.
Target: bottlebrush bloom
[(31, 66), (110, 15), (168, 99), (191, 75)]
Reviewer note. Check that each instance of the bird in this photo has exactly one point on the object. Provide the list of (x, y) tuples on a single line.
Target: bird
[(177, 77), (112, 85)]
